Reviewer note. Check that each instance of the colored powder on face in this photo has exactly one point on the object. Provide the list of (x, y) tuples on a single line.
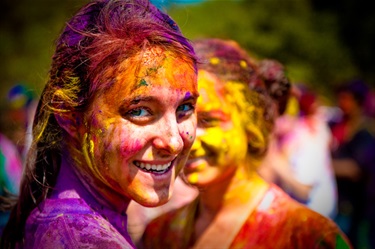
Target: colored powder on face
[(193, 178), (143, 83), (201, 167), (197, 149), (91, 147), (228, 131), (85, 150), (108, 122), (152, 70), (157, 67), (185, 77), (214, 137), (149, 155), (88, 153)]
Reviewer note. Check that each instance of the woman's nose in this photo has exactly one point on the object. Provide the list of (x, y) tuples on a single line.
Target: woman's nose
[(169, 139)]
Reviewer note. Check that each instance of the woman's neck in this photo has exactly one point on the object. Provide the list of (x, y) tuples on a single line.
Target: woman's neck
[(241, 193), (226, 192), (76, 181)]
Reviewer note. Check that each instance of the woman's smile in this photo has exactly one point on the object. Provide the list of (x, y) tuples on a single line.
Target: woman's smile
[(153, 167)]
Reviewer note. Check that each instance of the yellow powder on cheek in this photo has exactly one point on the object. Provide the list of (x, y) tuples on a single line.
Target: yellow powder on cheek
[(201, 167), (193, 178), (108, 122), (197, 150), (237, 138), (214, 137)]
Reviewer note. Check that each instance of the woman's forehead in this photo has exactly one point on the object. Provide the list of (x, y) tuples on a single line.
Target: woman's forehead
[(154, 67), (210, 85)]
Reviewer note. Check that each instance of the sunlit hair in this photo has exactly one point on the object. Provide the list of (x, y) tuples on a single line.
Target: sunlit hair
[(87, 60), (238, 71)]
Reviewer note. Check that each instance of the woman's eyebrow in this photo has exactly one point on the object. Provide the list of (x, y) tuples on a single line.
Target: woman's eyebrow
[(137, 99), (190, 96)]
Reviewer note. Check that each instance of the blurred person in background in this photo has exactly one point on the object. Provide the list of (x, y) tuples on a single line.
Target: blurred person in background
[(15, 113), (10, 175), (299, 159), (353, 152), (235, 208), (21, 102), (302, 161)]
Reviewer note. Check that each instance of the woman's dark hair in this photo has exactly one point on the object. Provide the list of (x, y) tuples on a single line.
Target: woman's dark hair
[(94, 42), (272, 72)]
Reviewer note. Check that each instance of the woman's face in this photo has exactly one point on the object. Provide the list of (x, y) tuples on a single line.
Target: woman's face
[(221, 142), (138, 134)]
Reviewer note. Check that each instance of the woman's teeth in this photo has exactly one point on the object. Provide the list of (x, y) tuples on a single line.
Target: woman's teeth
[(160, 168)]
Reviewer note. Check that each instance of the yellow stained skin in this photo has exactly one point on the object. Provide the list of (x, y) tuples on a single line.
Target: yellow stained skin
[(221, 143), (147, 116)]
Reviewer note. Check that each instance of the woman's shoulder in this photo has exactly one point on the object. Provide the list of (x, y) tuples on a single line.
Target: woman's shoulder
[(169, 230), (299, 224), (70, 223), (277, 203), (172, 219)]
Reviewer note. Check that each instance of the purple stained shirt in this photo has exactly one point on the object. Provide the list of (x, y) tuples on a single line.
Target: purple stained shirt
[(71, 218)]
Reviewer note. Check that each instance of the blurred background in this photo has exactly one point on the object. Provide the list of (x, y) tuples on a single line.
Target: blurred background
[(322, 42)]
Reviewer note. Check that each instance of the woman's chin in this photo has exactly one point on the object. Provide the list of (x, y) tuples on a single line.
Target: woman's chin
[(153, 201)]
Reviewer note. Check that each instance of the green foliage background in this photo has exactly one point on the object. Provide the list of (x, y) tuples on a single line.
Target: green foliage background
[(307, 41)]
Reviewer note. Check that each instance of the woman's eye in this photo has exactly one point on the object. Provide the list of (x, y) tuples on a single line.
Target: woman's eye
[(138, 112), (185, 108), (206, 122)]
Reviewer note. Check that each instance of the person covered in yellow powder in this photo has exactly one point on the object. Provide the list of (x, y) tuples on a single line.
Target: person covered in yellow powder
[(235, 208), (115, 123)]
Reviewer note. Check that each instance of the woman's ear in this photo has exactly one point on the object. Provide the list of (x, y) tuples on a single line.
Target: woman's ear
[(256, 140), (66, 116), (70, 121)]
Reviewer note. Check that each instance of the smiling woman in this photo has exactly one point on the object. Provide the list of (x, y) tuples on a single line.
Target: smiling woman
[(115, 123), (235, 207)]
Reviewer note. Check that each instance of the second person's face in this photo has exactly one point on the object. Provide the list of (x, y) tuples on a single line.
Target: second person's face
[(221, 142), (139, 132)]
